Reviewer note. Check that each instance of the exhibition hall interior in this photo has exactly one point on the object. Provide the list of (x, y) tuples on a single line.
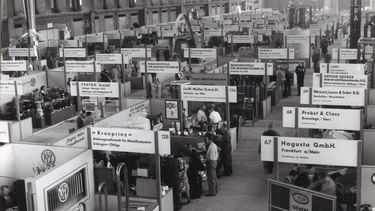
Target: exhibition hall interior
[(191, 105)]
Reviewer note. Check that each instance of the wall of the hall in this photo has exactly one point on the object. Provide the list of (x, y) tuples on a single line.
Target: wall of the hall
[(283, 4)]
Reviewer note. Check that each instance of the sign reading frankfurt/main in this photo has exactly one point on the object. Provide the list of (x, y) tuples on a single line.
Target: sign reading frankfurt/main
[(248, 68), (318, 118), (345, 53), (136, 52), (109, 58), (333, 96), (203, 93), (79, 66), (73, 52), (17, 65), (275, 53), (310, 151), (160, 67), (340, 80), (348, 69), (208, 53), (95, 89)]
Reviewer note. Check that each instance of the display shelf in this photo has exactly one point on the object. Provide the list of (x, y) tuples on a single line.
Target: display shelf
[(59, 116)]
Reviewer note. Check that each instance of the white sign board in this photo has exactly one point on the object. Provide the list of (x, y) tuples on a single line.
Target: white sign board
[(21, 52), (17, 65), (73, 52), (167, 33), (203, 93), (7, 87), (275, 53), (109, 58), (300, 200), (267, 32), (4, 132), (129, 140), (128, 33), (231, 28), (248, 68), (242, 39), (79, 66), (352, 69), (160, 67), (136, 52), (345, 54), (318, 118), (315, 32), (291, 39), (95, 89), (333, 96), (95, 38), (208, 53), (212, 32), (310, 151), (340, 80)]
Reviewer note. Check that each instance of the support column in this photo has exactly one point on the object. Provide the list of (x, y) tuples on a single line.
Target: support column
[(355, 22)]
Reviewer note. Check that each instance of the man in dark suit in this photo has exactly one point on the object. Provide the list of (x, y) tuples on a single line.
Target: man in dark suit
[(171, 177), (7, 199), (195, 180)]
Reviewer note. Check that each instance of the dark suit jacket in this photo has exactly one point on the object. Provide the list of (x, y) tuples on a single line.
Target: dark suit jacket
[(6, 205), (170, 173)]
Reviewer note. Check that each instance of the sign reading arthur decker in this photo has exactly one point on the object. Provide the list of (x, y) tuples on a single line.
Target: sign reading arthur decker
[(95, 89), (339, 80), (318, 118)]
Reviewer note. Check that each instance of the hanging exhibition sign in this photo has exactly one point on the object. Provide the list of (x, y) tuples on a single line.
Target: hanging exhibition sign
[(4, 132), (95, 89), (275, 53), (7, 87), (21, 52), (267, 32), (340, 80), (249, 68), (129, 140), (242, 39), (283, 196), (160, 67), (297, 39), (17, 65), (310, 151), (95, 38), (210, 25), (353, 69), (212, 33), (73, 52), (128, 33), (136, 52), (318, 118), (231, 28), (315, 32), (333, 96), (79, 66), (203, 93), (208, 53), (344, 53), (109, 58), (208, 79)]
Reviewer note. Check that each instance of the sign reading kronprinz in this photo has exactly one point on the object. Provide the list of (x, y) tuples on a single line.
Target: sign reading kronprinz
[(317, 118)]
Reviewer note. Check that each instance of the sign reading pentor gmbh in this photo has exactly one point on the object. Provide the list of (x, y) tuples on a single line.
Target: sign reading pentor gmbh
[(95, 89), (318, 118)]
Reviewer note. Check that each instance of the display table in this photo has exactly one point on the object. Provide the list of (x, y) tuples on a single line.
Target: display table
[(59, 116), (179, 142)]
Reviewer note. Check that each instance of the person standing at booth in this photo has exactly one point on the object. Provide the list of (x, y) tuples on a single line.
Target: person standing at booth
[(215, 117), (300, 71), (115, 74), (280, 78), (316, 60), (81, 119), (226, 150), (211, 164), (268, 165), (7, 199), (195, 165), (171, 177), (104, 75), (201, 116)]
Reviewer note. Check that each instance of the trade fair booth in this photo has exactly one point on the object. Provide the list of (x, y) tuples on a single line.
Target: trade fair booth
[(48, 177)]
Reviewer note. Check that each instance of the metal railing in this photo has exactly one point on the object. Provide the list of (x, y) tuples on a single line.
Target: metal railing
[(122, 166), (81, 204), (103, 186)]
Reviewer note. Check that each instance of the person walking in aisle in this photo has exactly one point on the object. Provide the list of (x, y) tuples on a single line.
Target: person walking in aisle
[(316, 60), (211, 163), (268, 165), (195, 165), (280, 78), (300, 71)]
